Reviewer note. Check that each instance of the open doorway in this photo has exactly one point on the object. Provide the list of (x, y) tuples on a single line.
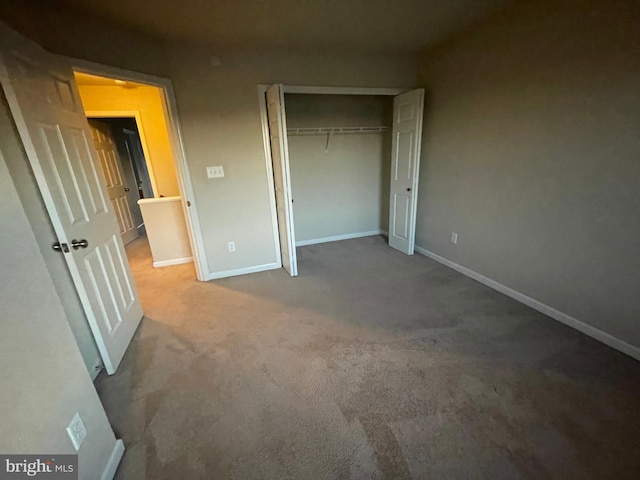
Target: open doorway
[(61, 180), (129, 124)]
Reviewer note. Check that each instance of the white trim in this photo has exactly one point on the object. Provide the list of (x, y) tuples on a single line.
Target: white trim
[(593, 332), (291, 265), (336, 238), (182, 167), (175, 261), (262, 101), (143, 139), (114, 460), (416, 175), (343, 90), (144, 201), (186, 187), (243, 271)]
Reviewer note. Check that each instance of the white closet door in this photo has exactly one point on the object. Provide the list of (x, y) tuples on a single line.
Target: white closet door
[(281, 177), (41, 92), (405, 165)]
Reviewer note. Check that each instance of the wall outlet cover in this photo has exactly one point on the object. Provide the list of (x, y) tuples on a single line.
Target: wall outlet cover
[(77, 431)]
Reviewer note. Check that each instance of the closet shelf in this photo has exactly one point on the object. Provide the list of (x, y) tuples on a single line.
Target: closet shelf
[(335, 130)]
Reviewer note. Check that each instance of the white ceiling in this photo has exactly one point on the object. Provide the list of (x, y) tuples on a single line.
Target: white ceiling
[(354, 25)]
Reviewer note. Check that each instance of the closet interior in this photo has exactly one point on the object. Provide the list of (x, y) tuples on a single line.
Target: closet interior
[(340, 162)]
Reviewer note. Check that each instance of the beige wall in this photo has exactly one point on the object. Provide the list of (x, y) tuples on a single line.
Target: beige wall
[(530, 153), (44, 381), (148, 101), (220, 117), (166, 230), (321, 110), (342, 190)]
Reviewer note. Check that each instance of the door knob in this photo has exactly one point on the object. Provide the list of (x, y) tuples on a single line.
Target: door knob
[(60, 247), (408, 189), (126, 189), (76, 244)]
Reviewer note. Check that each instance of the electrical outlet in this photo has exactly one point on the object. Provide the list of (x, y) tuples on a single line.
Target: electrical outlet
[(454, 237), (77, 431), (231, 246), (215, 172)]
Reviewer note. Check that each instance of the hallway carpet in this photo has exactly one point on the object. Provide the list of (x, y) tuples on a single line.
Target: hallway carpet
[(371, 364)]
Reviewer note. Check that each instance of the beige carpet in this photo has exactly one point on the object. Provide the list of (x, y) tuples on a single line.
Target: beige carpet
[(369, 365)]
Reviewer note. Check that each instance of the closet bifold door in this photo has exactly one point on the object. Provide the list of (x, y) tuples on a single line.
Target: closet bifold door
[(282, 177), (405, 165)]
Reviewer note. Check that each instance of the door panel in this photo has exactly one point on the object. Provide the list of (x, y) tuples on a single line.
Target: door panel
[(282, 177), (405, 164), (106, 268), (401, 213), (46, 107), (118, 191)]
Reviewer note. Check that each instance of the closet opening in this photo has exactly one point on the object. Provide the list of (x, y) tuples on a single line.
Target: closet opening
[(344, 163), (339, 157)]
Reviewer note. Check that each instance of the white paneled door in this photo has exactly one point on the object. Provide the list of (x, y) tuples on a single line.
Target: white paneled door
[(44, 101), (117, 190), (281, 177), (405, 164)]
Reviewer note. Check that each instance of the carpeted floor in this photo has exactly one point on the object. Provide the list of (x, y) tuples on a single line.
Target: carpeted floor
[(369, 365)]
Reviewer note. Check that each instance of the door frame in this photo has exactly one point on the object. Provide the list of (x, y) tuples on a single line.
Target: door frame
[(176, 139), (310, 90)]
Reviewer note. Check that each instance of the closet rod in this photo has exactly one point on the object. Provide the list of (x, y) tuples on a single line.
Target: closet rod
[(335, 130)]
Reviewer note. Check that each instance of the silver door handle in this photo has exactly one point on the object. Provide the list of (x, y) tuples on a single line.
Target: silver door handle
[(60, 247), (76, 244)]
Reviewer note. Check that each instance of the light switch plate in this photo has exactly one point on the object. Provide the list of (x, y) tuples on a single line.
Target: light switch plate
[(215, 172)]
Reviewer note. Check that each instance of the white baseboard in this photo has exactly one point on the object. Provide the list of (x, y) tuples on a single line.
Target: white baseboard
[(336, 238), (114, 460), (568, 320), (242, 271), (175, 261)]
